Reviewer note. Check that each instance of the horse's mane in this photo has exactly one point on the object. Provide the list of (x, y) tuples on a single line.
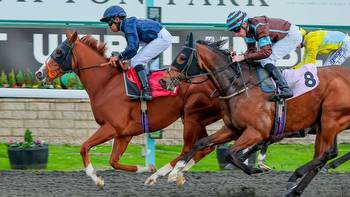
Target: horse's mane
[(99, 47), (216, 45)]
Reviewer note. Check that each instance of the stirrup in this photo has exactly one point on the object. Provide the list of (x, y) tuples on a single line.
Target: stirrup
[(278, 97)]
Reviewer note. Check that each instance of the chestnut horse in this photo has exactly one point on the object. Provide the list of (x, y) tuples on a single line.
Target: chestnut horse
[(118, 117), (249, 116)]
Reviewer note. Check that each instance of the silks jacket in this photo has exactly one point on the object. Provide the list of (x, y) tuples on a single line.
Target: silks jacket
[(264, 31), (320, 42), (136, 31)]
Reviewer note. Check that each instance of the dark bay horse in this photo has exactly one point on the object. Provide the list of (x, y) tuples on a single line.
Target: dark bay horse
[(119, 119), (249, 116)]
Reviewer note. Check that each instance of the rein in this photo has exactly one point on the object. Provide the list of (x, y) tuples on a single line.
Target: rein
[(65, 62), (243, 90), (96, 66), (239, 75)]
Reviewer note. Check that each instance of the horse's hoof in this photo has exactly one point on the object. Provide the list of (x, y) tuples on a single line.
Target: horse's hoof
[(151, 181), (152, 169), (324, 170), (100, 182), (291, 193), (257, 171), (180, 180), (172, 177), (291, 185), (264, 167)]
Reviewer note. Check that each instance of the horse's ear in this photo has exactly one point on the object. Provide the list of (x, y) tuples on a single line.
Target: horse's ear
[(189, 40), (68, 34), (71, 37)]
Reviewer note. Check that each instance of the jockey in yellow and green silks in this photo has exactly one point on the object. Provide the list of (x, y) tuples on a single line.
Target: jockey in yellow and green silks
[(335, 43)]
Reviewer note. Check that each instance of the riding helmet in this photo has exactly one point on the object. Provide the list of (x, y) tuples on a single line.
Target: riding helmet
[(235, 19), (111, 12)]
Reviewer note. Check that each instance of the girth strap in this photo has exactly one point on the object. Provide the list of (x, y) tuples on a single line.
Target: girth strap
[(280, 118), (144, 117)]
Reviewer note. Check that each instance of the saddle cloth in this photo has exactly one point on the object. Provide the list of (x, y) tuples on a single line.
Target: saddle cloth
[(133, 84), (300, 80)]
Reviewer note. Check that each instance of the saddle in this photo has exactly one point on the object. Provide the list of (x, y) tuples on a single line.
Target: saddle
[(133, 85), (300, 80)]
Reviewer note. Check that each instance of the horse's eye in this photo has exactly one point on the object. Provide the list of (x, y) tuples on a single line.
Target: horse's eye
[(58, 53), (181, 59)]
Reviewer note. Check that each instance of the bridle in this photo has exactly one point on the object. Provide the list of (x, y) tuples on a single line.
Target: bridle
[(65, 61), (235, 75), (185, 74)]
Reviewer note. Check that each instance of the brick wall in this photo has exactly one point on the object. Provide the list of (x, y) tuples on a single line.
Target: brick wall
[(70, 121)]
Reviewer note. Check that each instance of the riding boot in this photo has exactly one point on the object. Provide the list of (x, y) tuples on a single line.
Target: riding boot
[(146, 91), (285, 91)]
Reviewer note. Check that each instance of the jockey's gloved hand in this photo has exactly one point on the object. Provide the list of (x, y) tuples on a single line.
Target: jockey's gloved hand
[(233, 53), (114, 58), (237, 58)]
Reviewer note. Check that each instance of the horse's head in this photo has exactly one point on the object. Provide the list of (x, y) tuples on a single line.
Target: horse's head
[(60, 60), (184, 66)]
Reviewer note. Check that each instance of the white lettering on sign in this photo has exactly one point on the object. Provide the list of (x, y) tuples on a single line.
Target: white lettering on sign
[(3, 36), (66, 10), (38, 46), (167, 54), (115, 43)]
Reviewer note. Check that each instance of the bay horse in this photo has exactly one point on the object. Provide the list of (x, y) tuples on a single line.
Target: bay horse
[(119, 119), (249, 116)]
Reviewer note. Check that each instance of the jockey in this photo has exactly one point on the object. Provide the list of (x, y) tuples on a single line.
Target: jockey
[(138, 31), (275, 38), (335, 43)]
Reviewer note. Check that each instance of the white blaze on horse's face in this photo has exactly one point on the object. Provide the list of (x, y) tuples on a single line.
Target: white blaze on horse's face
[(41, 73)]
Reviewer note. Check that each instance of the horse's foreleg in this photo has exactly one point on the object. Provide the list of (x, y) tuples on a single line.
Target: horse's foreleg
[(119, 147), (103, 134), (180, 179), (261, 158), (310, 170), (249, 138), (335, 163), (221, 136), (198, 156), (192, 131), (296, 190)]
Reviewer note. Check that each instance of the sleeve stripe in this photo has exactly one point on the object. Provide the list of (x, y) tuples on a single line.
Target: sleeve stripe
[(249, 40), (264, 41), (278, 31)]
